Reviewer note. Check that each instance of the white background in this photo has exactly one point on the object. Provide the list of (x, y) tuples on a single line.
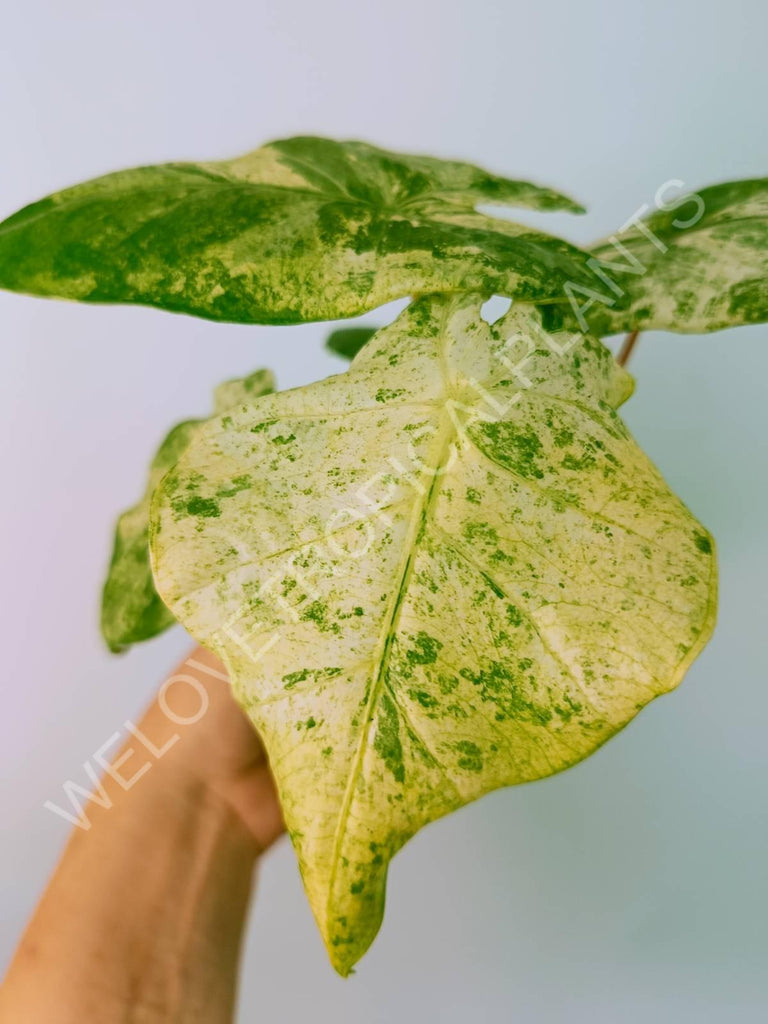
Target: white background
[(631, 888)]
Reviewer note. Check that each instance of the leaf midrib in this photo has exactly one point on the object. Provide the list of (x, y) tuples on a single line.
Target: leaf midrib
[(381, 663)]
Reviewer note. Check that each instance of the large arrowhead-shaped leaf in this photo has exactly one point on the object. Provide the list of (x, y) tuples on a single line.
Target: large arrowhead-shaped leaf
[(454, 571), (131, 609), (302, 229), (699, 267)]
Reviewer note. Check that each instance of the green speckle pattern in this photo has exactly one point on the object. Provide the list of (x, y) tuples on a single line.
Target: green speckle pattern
[(131, 609), (528, 582), (301, 229)]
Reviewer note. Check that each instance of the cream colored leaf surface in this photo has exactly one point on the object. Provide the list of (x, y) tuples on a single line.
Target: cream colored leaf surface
[(454, 571), (131, 609)]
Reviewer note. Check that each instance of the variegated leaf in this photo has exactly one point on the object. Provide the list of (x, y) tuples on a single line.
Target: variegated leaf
[(302, 229), (131, 609), (698, 267), (454, 571)]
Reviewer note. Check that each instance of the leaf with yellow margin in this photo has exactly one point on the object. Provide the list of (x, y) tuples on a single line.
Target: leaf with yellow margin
[(454, 571)]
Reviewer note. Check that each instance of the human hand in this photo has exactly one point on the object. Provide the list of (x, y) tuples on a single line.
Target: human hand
[(218, 749), (143, 917)]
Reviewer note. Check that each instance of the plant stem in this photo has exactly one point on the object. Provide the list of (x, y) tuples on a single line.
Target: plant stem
[(626, 349)]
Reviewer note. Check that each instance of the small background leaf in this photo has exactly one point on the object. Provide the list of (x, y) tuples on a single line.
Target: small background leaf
[(347, 341), (131, 609)]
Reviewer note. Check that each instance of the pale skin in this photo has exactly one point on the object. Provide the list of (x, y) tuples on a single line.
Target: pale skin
[(143, 918)]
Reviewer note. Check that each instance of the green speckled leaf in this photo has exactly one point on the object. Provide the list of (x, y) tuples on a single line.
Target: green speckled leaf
[(131, 609), (302, 229), (700, 267), (347, 341), (457, 572)]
